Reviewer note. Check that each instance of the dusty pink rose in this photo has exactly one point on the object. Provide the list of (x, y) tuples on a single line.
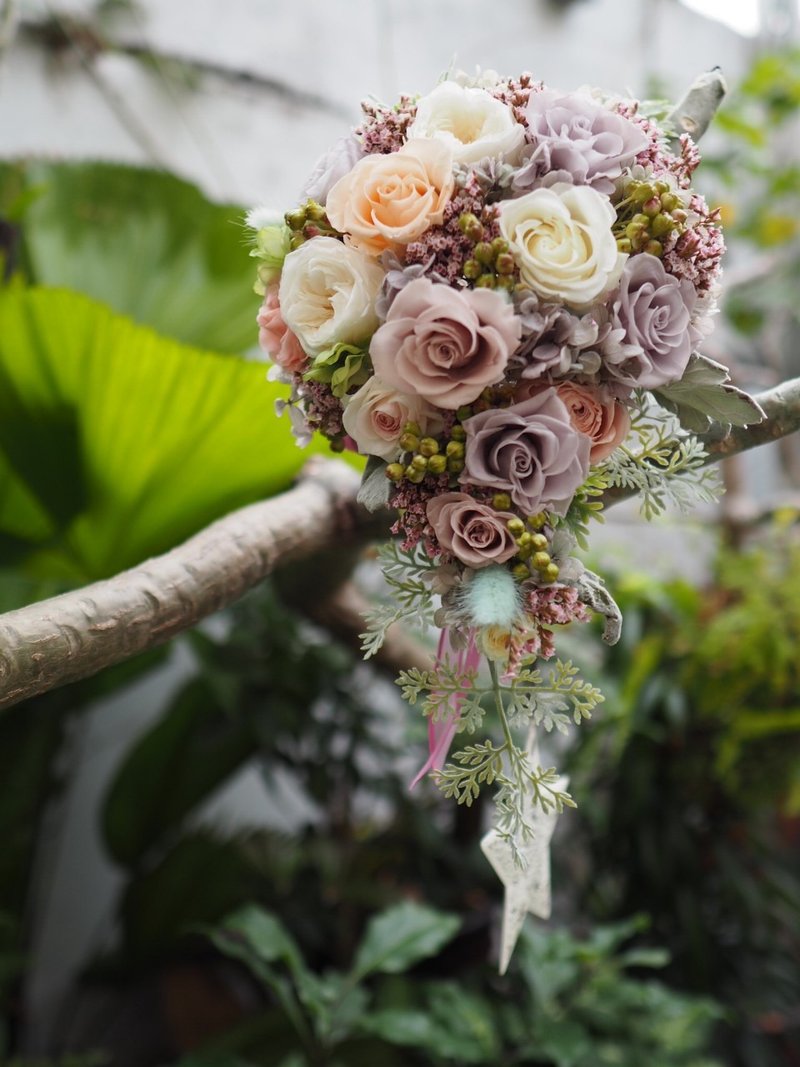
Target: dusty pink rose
[(475, 533), (601, 417), (376, 415), (531, 450), (444, 344), (592, 411), (387, 201), (276, 338)]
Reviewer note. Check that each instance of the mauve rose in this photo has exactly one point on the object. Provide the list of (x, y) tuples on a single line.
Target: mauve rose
[(653, 309), (475, 533), (443, 344), (573, 134), (275, 337), (330, 167), (601, 417), (531, 450)]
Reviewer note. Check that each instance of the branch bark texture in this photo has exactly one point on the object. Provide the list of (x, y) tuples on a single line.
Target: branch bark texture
[(79, 633), (74, 635)]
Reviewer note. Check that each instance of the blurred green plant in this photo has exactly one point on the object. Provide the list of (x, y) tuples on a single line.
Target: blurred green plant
[(758, 178), (144, 242), (694, 786), (569, 1003)]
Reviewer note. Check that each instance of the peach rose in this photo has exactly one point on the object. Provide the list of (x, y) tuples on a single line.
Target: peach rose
[(275, 337), (602, 418), (388, 201)]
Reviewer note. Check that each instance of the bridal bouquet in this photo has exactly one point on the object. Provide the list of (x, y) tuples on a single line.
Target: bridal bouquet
[(496, 291)]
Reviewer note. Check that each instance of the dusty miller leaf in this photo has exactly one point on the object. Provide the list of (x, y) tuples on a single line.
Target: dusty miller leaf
[(704, 395), (373, 493)]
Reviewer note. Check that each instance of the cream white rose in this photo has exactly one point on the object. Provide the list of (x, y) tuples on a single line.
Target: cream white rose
[(561, 240), (327, 294), (471, 121), (376, 415)]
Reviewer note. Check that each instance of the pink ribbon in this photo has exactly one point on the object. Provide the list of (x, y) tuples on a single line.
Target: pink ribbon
[(442, 732)]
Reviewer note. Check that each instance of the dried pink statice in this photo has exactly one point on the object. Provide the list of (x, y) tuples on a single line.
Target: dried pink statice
[(516, 92), (695, 256), (445, 249), (323, 410), (384, 129)]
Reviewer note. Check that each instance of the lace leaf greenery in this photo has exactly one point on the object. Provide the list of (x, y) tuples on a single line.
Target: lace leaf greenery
[(664, 466), (410, 596), (551, 698), (587, 504)]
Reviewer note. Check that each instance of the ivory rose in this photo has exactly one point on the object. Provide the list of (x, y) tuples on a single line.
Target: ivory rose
[(388, 201), (473, 123), (274, 336), (603, 419), (327, 294), (444, 344), (530, 450), (561, 240), (475, 533), (376, 415)]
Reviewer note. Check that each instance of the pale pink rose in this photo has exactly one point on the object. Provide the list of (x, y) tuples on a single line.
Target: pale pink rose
[(445, 344), (592, 411), (376, 415), (603, 419), (276, 338), (388, 201), (475, 533)]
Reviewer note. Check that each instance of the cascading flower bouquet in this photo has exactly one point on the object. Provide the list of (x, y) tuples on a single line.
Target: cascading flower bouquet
[(495, 291)]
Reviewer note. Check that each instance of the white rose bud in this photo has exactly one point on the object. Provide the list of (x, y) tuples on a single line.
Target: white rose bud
[(327, 294), (561, 240), (474, 123)]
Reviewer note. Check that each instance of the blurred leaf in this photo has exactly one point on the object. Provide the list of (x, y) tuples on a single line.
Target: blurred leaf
[(402, 936), (192, 749), (152, 440), (565, 1042), (146, 243), (735, 124), (255, 936), (201, 879)]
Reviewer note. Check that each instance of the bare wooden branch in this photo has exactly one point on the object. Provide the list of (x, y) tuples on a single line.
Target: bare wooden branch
[(77, 634), (694, 112)]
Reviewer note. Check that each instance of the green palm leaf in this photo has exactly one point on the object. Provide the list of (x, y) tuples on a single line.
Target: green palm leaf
[(116, 443), (144, 242)]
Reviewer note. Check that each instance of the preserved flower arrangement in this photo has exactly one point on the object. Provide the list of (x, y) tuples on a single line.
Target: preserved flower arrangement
[(496, 292)]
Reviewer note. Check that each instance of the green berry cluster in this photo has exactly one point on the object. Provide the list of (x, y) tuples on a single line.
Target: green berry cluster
[(307, 221), (533, 555), (649, 213), (491, 265), (425, 456)]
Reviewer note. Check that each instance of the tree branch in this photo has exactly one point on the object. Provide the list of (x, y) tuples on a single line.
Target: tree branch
[(79, 633)]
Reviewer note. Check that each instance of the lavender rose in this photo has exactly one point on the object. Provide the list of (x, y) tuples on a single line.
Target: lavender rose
[(531, 450), (653, 309), (443, 344), (330, 167), (475, 533), (574, 134)]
